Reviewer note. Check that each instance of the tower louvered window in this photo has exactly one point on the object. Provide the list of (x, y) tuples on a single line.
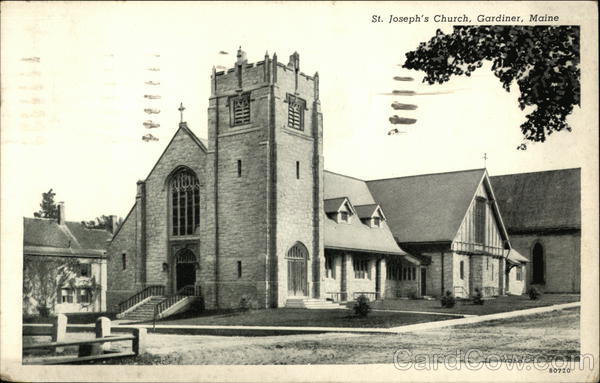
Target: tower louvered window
[(296, 107), (185, 203), (240, 109)]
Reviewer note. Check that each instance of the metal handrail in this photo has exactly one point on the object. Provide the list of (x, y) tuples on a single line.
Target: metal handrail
[(184, 292), (140, 296), (338, 296)]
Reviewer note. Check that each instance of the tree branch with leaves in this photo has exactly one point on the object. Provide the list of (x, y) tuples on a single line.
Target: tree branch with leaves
[(543, 61)]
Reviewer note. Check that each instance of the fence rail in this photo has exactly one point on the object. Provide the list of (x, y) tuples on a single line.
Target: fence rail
[(340, 296), (371, 295), (78, 342), (85, 351), (137, 298)]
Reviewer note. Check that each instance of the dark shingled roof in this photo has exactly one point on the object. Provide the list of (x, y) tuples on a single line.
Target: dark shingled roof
[(366, 211), (426, 208), (333, 205), (354, 235), (548, 200), (73, 236)]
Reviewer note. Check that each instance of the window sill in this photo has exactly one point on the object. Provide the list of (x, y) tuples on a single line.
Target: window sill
[(184, 237)]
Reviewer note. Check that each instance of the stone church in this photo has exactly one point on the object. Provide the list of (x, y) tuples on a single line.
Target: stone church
[(251, 216)]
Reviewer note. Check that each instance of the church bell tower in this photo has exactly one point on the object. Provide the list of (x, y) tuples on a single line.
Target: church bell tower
[(265, 194)]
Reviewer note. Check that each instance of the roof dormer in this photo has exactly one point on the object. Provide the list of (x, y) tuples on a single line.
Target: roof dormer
[(339, 209), (371, 215)]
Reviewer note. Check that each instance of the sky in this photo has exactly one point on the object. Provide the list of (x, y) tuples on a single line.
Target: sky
[(74, 77)]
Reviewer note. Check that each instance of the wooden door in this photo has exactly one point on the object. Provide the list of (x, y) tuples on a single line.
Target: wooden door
[(297, 274)]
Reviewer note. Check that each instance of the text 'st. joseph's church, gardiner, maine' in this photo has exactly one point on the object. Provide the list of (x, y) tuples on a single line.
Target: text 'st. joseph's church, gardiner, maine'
[(251, 217)]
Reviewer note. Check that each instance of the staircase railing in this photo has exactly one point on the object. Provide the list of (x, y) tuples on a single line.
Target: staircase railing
[(184, 292), (149, 291)]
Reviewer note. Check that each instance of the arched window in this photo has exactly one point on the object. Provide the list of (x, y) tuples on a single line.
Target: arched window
[(185, 202), (538, 264)]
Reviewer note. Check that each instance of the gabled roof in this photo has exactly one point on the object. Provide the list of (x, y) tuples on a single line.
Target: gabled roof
[(426, 208), (46, 236), (337, 185), (354, 235), (368, 211), (334, 205), (548, 200), (184, 128)]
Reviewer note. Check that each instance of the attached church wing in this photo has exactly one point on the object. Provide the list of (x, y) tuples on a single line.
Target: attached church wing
[(426, 208), (540, 201)]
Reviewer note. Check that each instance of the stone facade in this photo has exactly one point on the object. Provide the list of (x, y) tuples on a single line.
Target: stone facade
[(260, 179), (562, 259), (260, 194)]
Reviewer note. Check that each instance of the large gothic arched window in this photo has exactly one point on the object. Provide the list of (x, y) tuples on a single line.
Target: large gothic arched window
[(185, 202)]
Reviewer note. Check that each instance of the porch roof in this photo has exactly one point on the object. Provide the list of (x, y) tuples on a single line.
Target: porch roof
[(515, 257), (357, 236)]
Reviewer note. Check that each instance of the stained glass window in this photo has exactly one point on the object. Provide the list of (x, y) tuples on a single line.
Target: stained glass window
[(185, 203)]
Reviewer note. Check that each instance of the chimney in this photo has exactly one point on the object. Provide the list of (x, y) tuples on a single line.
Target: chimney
[(112, 224), (61, 213)]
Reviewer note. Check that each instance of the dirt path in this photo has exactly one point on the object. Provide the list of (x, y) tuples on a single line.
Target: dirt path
[(551, 334)]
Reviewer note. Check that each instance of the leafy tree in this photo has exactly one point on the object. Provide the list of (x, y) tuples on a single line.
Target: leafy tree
[(102, 222), (44, 277), (543, 60), (49, 209)]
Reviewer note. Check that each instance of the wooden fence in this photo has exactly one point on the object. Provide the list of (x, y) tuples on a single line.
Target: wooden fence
[(88, 350)]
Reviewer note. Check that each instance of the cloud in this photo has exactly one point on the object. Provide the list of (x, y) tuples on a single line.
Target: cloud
[(154, 69), (152, 96), (401, 78), (31, 59), (152, 83), (402, 120), (151, 111), (223, 53), (399, 106)]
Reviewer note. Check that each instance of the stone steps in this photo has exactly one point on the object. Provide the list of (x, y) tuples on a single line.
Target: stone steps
[(145, 311), (312, 303)]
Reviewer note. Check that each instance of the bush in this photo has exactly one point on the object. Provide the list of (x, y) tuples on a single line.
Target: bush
[(448, 300), (478, 298), (362, 308), (534, 293), (246, 303)]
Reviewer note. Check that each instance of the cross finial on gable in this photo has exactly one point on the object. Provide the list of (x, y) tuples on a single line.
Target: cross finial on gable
[(485, 157), (181, 109)]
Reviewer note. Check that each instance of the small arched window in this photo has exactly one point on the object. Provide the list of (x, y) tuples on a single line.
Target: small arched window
[(185, 202)]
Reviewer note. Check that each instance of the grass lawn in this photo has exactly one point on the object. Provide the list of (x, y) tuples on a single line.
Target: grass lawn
[(554, 334), (491, 306), (303, 318)]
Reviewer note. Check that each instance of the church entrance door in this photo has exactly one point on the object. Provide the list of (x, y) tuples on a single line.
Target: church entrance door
[(297, 276), (185, 269)]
